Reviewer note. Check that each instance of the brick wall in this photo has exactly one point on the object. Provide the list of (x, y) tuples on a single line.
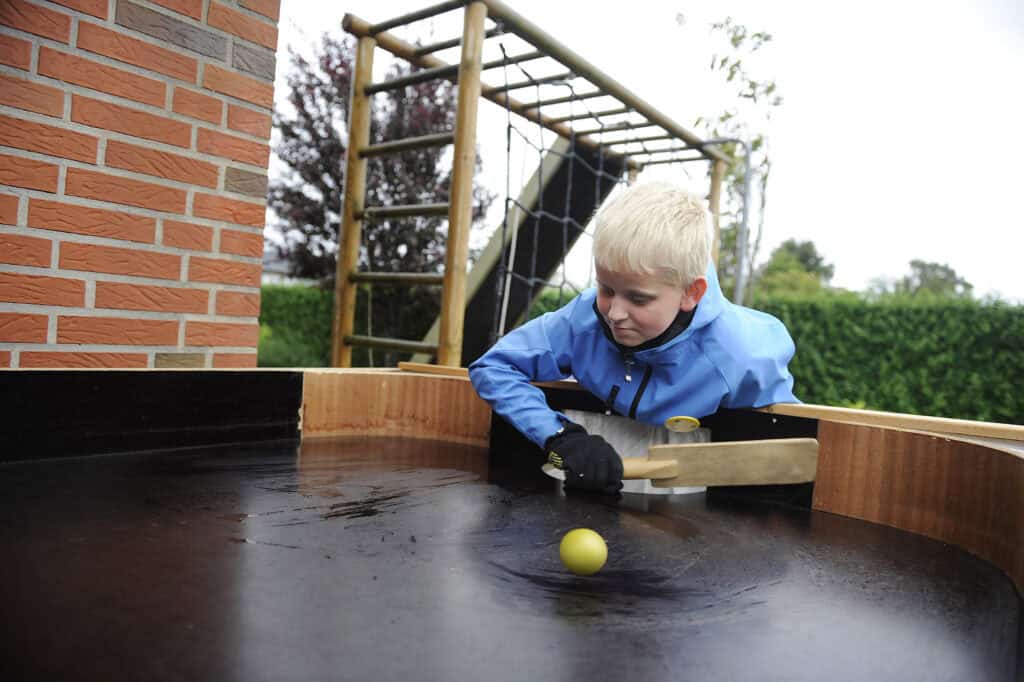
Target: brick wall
[(133, 153)]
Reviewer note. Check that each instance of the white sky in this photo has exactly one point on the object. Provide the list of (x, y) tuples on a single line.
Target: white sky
[(900, 136)]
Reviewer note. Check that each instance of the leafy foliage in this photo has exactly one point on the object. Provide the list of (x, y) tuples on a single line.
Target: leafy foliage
[(926, 280), (313, 143), (939, 357), (754, 100), (295, 326)]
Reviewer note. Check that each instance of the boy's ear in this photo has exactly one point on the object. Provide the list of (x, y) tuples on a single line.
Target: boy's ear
[(693, 293)]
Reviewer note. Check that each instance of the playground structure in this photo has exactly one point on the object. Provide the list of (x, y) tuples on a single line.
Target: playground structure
[(603, 130)]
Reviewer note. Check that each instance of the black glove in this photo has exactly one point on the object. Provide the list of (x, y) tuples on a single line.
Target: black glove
[(589, 462)]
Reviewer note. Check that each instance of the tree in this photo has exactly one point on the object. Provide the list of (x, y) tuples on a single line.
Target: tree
[(752, 101), (794, 268), (926, 280), (307, 196)]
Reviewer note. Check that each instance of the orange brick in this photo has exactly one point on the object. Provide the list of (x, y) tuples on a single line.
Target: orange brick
[(249, 121), (15, 52), (36, 20), (160, 164), (224, 271), (47, 359), (241, 243), (22, 94), (116, 331), (234, 22), (22, 328), (196, 105), (221, 334), (118, 261), (8, 209), (236, 85), (229, 210), (192, 8), (60, 217), (38, 290), (234, 359), (97, 114), (89, 74), (187, 236), (97, 8), (16, 249), (130, 50), (5, 358), (268, 8), (102, 187), (157, 299), (18, 171), (236, 303), (231, 147), (36, 137)]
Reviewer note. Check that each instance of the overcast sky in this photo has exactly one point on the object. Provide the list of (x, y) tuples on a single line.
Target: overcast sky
[(900, 136)]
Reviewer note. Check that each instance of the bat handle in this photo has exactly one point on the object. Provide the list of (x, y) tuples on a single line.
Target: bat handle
[(641, 467)]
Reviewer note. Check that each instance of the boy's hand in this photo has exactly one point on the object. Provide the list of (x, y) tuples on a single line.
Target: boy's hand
[(589, 462)]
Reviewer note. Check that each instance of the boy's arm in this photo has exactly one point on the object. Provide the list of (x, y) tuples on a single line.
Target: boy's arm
[(540, 350)]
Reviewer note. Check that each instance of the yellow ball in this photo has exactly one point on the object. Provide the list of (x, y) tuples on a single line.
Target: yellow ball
[(583, 551)]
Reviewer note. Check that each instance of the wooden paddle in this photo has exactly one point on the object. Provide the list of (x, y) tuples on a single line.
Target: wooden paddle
[(749, 462)]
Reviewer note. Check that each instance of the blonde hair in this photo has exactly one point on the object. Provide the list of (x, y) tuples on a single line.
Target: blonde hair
[(655, 229)]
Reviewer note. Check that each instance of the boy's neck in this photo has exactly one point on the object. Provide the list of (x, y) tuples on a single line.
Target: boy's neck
[(678, 326)]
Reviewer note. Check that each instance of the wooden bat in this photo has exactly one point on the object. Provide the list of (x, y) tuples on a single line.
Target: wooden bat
[(749, 462)]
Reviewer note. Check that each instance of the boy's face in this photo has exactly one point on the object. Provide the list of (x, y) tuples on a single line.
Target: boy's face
[(638, 308)]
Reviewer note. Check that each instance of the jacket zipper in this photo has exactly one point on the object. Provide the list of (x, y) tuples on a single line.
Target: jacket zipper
[(640, 391), (609, 406), (628, 361)]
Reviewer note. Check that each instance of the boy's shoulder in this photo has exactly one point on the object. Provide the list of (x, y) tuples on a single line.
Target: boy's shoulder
[(744, 332)]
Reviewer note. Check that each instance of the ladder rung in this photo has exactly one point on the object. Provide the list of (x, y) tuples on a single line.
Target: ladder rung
[(450, 71), (590, 114), (613, 127), (408, 278), (525, 84), (391, 344), (423, 76), (402, 211), (564, 100), (679, 160), (454, 42), (438, 140), (418, 15)]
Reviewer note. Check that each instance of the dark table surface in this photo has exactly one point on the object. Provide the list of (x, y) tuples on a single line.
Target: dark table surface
[(389, 559)]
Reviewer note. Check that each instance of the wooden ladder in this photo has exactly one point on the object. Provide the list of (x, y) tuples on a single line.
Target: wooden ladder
[(458, 208)]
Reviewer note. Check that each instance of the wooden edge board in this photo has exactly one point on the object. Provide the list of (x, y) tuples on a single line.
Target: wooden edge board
[(899, 420)]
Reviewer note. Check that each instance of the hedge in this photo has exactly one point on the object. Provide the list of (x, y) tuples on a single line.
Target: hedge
[(946, 358)]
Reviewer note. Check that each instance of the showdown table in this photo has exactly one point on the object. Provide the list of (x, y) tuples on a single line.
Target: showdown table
[(383, 557)]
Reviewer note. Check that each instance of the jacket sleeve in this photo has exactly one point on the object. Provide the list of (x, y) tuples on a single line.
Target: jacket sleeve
[(540, 350), (753, 359)]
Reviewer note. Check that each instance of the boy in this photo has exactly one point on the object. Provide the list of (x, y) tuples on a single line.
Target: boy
[(655, 339)]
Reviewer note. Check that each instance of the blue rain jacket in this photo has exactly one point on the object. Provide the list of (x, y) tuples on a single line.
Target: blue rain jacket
[(728, 356)]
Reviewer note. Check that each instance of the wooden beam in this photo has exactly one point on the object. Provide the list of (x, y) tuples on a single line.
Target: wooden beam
[(460, 214), (354, 199)]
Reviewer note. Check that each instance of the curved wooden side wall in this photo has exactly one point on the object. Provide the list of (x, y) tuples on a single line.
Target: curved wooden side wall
[(389, 402), (959, 482)]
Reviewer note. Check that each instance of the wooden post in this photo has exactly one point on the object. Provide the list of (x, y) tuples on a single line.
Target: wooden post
[(714, 206), (460, 211), (354, 200)]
